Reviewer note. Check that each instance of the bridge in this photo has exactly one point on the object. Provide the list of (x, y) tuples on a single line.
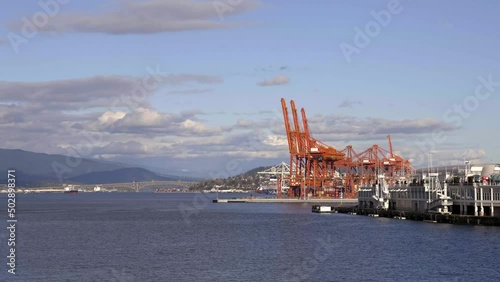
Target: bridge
[(126, 186)]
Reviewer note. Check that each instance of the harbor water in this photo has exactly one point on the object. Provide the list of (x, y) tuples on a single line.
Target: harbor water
[(186, 237)]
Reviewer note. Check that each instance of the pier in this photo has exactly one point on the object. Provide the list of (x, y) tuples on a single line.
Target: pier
[(431, 217), (343, 202)]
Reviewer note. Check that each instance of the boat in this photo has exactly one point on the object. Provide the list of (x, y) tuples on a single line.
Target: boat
[(70, 189), (323, 209), (269, 187), (266, 191)]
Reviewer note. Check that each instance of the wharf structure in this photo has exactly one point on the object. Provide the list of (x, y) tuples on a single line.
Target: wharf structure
[(476, 192)]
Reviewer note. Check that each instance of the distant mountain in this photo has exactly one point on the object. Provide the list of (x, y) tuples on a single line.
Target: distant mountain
[(45, 166), (38, 169), (130, 174), (26, 179)]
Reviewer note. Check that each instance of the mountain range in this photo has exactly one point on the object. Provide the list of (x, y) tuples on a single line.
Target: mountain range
[(39, 169)]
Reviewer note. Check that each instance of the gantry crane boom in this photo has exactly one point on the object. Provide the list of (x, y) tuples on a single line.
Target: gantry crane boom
[(390, 145), (307, 134), (299, 134), (287, 126)]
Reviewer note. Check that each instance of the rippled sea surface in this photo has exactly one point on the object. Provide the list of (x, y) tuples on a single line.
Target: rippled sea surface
[(186, 237)]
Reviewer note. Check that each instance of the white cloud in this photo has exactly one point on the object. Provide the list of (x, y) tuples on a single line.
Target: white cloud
[(275, 140), (277, 80), (244, 123), (110, 117), (142, 117), (146, 121), (194, 126)]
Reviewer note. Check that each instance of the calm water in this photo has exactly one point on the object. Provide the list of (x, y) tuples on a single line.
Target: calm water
[(183, 237)]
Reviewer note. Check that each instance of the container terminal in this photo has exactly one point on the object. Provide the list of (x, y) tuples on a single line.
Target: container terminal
[(376, 179)]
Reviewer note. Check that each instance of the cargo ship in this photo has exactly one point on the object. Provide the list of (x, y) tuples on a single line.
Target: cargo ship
[(269, 186), (268, 190)]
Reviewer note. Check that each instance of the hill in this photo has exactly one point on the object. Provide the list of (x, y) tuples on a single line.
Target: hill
[(39, 169), (40, 166), (249, 180), (130, 174)]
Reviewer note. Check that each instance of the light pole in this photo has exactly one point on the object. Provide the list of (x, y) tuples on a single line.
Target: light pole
[(429, 168)]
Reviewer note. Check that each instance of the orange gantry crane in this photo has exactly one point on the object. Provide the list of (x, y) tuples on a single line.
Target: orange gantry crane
[(319, 170), (399, 166), (312, 163)]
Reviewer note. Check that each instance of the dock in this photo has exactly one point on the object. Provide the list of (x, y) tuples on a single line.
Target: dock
[(424, 216), (346, 202)]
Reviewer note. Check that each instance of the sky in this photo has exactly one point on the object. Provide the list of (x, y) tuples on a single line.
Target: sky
[(194, 87)]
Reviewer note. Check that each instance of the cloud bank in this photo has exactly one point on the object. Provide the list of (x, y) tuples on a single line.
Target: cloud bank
[(151, 16)]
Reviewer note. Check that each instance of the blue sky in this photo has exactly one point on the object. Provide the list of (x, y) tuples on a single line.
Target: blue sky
[(214, 107)]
